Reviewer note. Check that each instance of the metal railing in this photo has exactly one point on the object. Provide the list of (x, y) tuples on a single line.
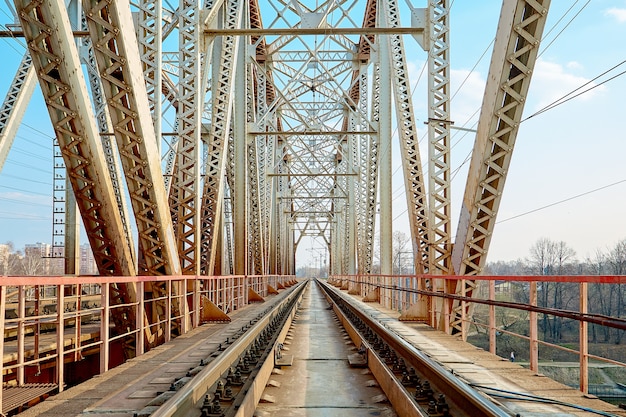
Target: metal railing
[(51, 320), (401, 293)]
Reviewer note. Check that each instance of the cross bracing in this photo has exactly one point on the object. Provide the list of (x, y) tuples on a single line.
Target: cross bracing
[(236, 128)]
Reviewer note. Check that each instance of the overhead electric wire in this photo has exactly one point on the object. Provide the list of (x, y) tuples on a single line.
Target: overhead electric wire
[(30, 180), (562, 201), (25, 191), (552, 105), (545, 48), (23, 216), (565, 98), (28, 203)]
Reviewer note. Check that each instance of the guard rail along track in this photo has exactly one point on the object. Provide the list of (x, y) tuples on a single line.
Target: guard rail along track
[(415, 384), (231, 383)]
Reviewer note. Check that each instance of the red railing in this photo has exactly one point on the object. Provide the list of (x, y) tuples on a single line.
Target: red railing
[(48, 319), (402, 293)]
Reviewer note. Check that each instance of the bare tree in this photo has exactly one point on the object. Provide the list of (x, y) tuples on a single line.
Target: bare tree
[(617, 263), (400, 242), (548, 257)]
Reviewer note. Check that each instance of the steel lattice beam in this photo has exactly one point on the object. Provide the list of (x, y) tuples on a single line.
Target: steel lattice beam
[(55, 57), (223, 92), (120, 68), (186, 186), (439, 139), (514, 56), (15, 104)]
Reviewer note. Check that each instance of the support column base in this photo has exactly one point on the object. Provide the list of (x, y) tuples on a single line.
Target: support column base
[(212, 313)]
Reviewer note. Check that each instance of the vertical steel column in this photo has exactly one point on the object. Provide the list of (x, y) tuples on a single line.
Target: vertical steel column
[(150, 34), (240, 205), (384, 132), (187, 185), (223, 92), (72, 234), (439, 139)]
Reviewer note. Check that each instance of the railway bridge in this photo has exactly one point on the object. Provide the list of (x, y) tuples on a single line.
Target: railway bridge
[(199, 144)]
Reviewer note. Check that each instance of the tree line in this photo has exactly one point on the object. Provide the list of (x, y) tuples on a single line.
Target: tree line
[(549, 257)]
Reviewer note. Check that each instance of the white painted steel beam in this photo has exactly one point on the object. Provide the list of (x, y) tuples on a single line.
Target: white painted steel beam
[(185, 195), (15, 104), (117, 55), (221, 111), (514, 56), (55, 58)]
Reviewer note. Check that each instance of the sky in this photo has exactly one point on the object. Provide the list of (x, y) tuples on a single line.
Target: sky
[(567, 179)]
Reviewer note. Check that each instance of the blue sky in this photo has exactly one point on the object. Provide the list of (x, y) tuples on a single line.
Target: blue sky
[(573, 149)]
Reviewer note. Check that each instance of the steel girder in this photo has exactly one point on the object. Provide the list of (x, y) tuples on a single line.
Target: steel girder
[(15, 104), (149, 37), (409, 146), (55, 57), (122, 77), (103, 122), (439, 138), (222, 94), (514, 55), (185, 196)]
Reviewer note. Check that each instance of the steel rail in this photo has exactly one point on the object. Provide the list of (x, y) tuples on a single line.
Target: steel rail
[(191, 395), (460, 393)]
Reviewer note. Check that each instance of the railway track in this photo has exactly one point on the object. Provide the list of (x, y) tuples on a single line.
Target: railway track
[(232, 383), (414, 383)]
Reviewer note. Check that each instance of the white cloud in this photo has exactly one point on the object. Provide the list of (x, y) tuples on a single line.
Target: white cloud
[(573, 65), (552, 81), (618, 14)]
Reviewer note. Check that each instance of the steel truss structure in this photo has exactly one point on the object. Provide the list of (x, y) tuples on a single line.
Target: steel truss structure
[(242, 127)]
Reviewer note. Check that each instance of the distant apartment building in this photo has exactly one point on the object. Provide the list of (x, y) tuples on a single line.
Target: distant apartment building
[(87, 262), (37, 259)]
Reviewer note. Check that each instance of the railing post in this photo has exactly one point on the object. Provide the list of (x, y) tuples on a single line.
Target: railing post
[(139, 323), (463, 311), (195, 303), (60, 335), (168, 312), (492, 318), (21, 314), (104, 327), (3, 308), (183, 310), (584, 340), (534, 344)]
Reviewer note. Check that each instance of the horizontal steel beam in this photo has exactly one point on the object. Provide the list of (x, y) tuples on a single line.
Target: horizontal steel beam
[(333, 174), (272, 32), (315, 31), (311, 133)]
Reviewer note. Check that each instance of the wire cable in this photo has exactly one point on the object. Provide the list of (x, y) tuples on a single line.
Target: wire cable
[(561, 201), (565, 98), (520, 396), (25, 191)]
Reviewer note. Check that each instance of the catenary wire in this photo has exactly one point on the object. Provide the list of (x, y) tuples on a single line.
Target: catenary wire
[(562, 201)]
